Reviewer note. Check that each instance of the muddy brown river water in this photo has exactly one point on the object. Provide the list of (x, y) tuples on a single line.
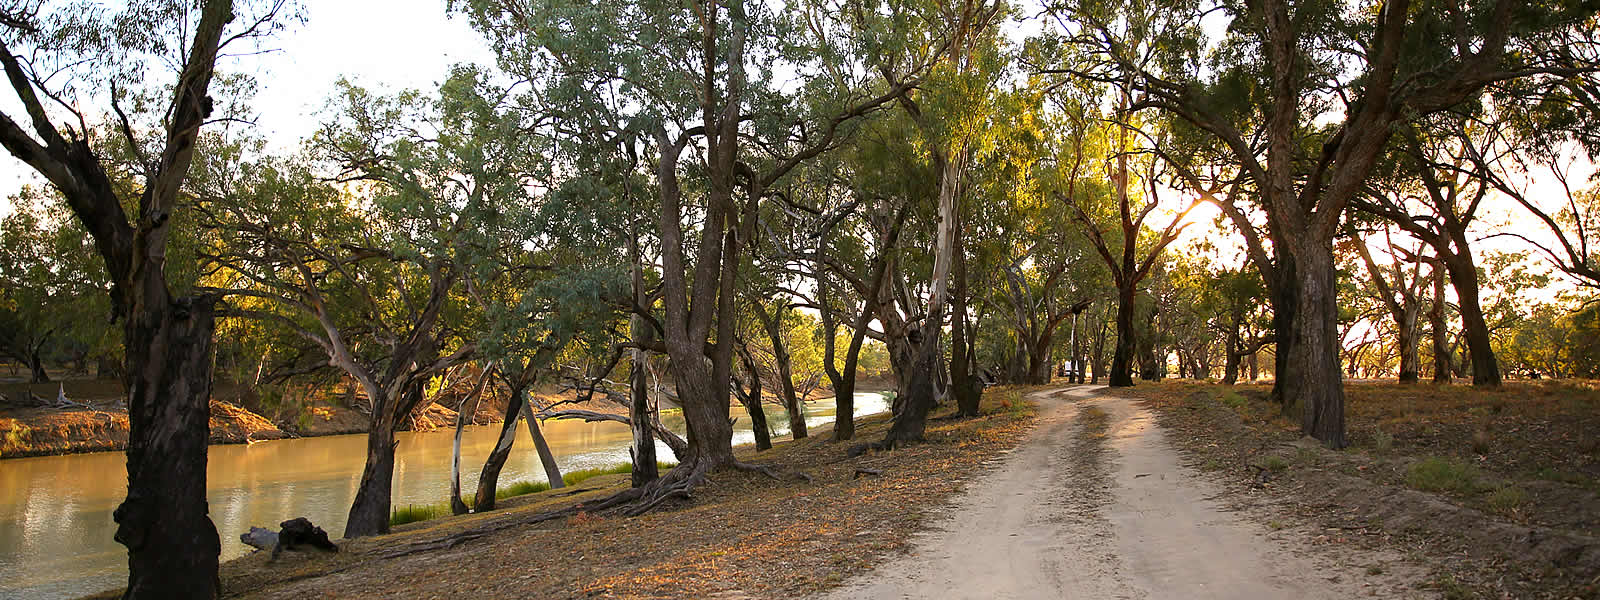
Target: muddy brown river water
[(55, 511)]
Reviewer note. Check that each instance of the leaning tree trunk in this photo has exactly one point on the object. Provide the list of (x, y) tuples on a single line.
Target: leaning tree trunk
[(164, 522), (552, 471), (369, 513), (1464, 276), (489, 478), (752, 403), (1319, 398), (456, 505), (780, 355), (1122, 355)]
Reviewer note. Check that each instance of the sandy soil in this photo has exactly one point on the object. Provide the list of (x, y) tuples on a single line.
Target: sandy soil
[(1096, 504)]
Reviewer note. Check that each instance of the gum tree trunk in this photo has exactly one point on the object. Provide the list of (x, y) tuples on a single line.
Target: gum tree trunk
[(911, 421), (1286, 378), (963, 387), (1319, 399), (164, 521), (172, 543), (547, 459), (369, 513), (1122, 355), (780, 355), (1441, 330), (489, 478), (643, 450), (456, 505), (1464, 276)]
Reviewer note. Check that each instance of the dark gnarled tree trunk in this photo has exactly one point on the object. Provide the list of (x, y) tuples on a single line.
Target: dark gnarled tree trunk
[(1122, 355), (1319, 397), (172, 543)]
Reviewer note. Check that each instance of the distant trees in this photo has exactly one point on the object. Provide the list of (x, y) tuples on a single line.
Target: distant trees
[(53, 302)]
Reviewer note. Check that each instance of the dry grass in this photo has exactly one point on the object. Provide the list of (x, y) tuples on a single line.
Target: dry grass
[(1498, 487), (742, 534)]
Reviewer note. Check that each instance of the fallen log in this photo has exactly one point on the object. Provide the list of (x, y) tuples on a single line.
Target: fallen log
[(260, 538), (300, 532)]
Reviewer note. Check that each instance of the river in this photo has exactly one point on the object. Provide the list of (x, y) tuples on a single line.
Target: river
[(55, 511)]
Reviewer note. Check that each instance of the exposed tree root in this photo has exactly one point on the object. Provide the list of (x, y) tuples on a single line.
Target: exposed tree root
[(773, 473), (862, 448), (678, 483)]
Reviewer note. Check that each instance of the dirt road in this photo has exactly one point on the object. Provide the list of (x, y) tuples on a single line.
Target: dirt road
[(1096, 505)]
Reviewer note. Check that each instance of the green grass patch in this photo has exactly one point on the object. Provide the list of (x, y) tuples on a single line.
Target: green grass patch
[(520, 488), (1273, 462), (413, 513), (1435, 474), (1233, 400), (1507, 500)]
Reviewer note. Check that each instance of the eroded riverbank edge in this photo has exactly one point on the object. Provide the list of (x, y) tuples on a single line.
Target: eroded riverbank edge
[(773, 538), (31, 431), (28, 431)]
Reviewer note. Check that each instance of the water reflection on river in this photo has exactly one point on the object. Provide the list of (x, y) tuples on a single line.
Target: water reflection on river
[(55, 511)]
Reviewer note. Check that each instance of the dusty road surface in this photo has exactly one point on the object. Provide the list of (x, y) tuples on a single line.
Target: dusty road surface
[(1096, 505)]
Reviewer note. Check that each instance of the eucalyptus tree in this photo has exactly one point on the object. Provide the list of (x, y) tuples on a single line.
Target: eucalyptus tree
[(52, 287), (1398, 286), (849, 242), (1038, 269), (1305, 97), (1442, 216), (955, 114), (373, 272), (1132, 248), (59, 59), (680, 83)]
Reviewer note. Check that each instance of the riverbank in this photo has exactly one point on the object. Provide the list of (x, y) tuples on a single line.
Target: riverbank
[(37, 431), (1497, 492), (101, 423), (772, 538)]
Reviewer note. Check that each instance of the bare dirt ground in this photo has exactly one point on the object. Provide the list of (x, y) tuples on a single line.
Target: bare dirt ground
[(1097, 504)]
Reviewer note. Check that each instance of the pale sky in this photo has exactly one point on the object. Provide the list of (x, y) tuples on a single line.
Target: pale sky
[(388, 44), (398, 44)]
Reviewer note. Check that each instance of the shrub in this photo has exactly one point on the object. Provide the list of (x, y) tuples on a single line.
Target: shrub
[(1508, 499), (1435, 474)]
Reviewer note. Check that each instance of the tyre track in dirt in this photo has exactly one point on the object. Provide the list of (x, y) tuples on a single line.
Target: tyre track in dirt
[(1095, 504)]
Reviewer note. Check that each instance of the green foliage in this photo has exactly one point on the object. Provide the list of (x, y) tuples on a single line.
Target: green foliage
[(53, 285), (1507, 500), (1436, 474)]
